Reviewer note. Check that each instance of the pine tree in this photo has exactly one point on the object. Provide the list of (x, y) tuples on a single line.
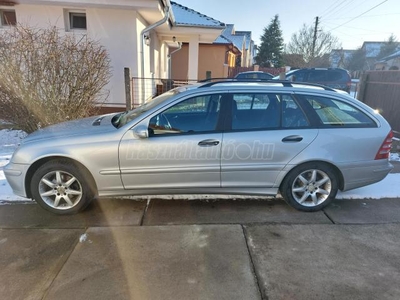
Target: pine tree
[(388, 48), (271, 48), (357, 60)]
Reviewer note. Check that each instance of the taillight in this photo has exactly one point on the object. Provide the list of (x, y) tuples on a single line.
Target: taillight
[(384, 150)]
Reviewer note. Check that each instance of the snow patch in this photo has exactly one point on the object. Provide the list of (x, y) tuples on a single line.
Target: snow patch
[(394, 157), (9, 141), (387, 188), (83, 238)]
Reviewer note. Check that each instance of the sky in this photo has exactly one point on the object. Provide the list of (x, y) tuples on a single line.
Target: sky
[(351, 21)]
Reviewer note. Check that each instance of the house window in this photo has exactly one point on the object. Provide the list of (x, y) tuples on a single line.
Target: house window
[(8, 18), (77, 20)]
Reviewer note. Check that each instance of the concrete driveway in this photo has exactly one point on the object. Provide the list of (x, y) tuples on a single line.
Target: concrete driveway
[(167, 249)]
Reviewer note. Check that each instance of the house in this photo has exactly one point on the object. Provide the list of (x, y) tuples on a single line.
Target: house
[(210, 57), (229, 49), (391, 62), (243, 42), (339, 58), (371, 50), (136, 33), (247, 58)]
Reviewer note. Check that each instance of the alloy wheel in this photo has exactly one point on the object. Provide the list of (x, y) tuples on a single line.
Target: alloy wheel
[(311, 187), (60, 190)]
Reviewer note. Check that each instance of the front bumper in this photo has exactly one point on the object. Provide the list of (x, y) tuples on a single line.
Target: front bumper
[(15, 175)]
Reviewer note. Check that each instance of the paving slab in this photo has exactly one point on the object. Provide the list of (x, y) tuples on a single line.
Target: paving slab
[(364, 211), (168, 262), (326, 261), (168, 212), (103, 212), (31, 258)]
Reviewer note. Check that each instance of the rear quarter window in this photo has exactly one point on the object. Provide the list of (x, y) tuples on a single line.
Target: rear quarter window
[(335, 113)]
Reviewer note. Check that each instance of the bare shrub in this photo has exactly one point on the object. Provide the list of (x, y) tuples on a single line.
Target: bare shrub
[(47, 76)]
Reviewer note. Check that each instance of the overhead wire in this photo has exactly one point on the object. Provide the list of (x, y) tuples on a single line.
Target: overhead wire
[(338, 9), (391, 14), (334, 9), (360, 15), (358, 28), (328, 8)]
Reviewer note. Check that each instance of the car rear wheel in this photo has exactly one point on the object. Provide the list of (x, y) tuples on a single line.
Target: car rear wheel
[(62, 187), (310, 187)]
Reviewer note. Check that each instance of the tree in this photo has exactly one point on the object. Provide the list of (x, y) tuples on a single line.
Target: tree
[(47, 77), (357, 60), (389, 47), (295, 61), (302, 43), (271, 48)]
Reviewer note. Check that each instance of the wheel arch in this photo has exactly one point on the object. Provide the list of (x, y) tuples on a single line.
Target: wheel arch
[(337, 171), (40, 162)]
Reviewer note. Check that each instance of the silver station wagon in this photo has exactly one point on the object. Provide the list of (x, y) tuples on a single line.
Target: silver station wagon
[(303, 141)]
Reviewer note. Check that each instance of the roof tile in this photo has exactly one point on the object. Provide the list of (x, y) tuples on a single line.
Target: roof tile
[(185, 16)]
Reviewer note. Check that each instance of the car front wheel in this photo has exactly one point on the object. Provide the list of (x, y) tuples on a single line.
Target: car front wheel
[(62, 187), (310, 187)]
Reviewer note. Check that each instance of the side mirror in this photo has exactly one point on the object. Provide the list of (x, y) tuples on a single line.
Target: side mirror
[(141, 132)]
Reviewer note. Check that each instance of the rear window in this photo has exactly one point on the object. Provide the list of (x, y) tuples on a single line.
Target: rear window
[(336, 76), (317, 75), (335, 113)]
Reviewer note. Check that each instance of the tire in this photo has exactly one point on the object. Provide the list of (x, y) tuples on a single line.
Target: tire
[(310, 187), (62, 187)]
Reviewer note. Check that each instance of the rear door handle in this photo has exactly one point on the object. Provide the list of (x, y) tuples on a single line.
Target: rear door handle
[(208, 143), (292, 139)]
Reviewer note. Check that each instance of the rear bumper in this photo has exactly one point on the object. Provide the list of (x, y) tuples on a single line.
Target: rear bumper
[(15, 175), (360, 174)]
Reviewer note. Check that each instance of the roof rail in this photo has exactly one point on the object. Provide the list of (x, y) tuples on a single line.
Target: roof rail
[(216, 78), (285, 83)]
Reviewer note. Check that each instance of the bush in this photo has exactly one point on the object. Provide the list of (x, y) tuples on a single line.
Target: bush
[(47, 77)]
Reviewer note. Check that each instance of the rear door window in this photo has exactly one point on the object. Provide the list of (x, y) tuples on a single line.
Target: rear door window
[(292, 114), (266, 111), (255, 111)]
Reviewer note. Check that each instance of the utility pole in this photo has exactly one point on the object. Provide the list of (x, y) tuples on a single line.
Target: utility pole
[(315, 37)]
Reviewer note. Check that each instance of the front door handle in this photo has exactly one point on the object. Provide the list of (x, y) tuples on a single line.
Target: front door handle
[(292, 139), (208, 143)]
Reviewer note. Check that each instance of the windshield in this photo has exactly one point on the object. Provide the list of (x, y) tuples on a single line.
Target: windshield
[(121, 119)]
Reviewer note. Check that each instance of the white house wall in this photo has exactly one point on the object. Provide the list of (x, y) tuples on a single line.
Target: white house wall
[(117, 30), (153, 62)]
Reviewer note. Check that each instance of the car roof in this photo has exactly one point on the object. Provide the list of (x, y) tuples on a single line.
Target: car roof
[(251, 72), (318, 69)]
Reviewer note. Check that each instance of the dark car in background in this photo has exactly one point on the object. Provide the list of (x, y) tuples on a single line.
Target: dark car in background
[(254, 75), (333, 77)]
